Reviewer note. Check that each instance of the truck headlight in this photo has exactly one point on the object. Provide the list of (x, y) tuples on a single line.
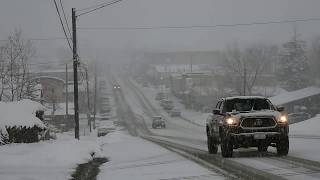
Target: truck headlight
[(231, 121), (283, 119)]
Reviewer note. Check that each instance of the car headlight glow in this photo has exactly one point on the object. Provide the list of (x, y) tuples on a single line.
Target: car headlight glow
[(231, 121), (283, 119)]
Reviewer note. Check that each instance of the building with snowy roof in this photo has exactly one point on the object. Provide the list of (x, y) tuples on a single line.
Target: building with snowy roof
[(307, 100)]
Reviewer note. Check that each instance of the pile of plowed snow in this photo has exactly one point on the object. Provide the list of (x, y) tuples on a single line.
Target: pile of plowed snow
[(307, 127)]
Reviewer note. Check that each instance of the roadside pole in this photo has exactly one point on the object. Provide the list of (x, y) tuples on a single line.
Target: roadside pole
[(75, 74), (95, 97), (88, 98), (67, 92)]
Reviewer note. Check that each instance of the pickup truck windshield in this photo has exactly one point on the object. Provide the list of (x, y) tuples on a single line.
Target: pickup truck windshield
[(243, 105)]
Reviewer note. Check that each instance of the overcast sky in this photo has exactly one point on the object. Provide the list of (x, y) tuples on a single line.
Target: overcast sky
[(38, 19)]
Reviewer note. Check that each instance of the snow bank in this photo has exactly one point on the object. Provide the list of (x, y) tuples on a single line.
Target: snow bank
[(307, 127), (48, 160), (20, 113)]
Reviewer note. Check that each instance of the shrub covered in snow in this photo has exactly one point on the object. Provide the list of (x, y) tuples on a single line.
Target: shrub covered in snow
[(18, 121)]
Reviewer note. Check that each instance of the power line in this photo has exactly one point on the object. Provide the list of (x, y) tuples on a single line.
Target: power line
[(42, 39), (198, 26), (99, 7), (61, 22), (91, 7), (65, 18)]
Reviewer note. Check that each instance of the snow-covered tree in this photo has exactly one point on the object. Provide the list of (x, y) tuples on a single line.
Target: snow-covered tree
[(14, 69), (294, 68)]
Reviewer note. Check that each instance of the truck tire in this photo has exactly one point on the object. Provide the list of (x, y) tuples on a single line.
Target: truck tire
[(226, 147), (212, 145), (283, 146)]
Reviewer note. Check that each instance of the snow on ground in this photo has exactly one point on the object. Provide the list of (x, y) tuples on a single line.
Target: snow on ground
[(175, 127), (50, 160), (136, 159), (299, 147), (308, 127), (194, 116), (305, 139)]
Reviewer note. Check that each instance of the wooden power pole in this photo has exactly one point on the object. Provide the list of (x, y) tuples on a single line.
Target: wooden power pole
[(75, 74)]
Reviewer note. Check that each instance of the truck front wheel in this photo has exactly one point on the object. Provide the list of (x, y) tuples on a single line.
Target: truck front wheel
[(226, 147), (283, 146), (212, 145)]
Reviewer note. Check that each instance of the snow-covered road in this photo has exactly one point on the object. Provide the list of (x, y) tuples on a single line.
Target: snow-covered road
[(137, 159), (193, 135)]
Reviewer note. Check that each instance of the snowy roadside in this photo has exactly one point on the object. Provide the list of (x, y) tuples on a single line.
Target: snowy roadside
[(137, 159), (305, 138), (54, 159), (308, 127)]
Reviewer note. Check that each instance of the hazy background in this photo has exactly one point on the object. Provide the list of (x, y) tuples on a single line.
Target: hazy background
[(38, 19)]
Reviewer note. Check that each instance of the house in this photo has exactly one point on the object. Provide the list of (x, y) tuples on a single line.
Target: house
[(305, 100)]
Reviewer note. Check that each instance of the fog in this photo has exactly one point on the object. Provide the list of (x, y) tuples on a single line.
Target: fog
[(38, 19)]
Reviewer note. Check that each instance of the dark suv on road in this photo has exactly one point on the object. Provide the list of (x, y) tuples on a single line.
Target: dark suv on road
[(247, 121)]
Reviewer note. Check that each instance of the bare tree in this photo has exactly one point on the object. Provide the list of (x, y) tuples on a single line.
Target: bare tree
[(245, 67), (14, 74)]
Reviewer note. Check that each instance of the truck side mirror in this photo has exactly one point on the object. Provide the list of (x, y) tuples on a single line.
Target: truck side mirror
[(280, 108), (216, 111)]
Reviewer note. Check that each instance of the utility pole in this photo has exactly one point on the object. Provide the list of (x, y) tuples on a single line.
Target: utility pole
[(67, 93), (191, 58), (88, 97), (244, 79), (75, 74), (95, 97)]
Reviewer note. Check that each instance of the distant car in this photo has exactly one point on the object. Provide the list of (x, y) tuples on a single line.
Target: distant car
[(297, 117), (159, 96), (116, 87), (175, 113), (105, 127), (158, 122), (166, 104)]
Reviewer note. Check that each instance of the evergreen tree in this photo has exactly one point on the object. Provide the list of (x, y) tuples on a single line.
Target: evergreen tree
[(293, 71)]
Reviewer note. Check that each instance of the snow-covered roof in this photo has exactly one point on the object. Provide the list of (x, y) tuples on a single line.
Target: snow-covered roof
[(20, 113), (284, 98)]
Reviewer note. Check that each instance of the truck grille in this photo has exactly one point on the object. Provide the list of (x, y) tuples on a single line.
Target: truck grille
[(258, 123)]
